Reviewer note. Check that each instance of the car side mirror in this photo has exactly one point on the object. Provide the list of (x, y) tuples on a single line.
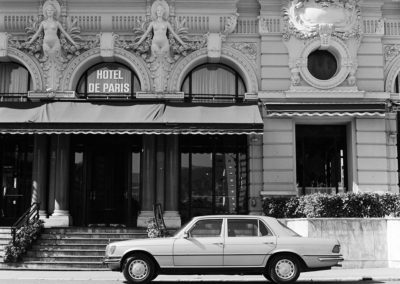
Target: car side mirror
[(185, 235)]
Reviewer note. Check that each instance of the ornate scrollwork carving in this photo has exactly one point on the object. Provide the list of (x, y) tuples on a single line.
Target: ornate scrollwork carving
[(306, 19)]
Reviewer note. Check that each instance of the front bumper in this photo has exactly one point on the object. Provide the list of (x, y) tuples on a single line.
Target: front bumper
[(113, 262)]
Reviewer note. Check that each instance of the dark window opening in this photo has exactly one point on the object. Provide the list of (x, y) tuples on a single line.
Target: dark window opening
[(16, 158), (214, 175), (321, 159), (322, 64), (213, 82), (397, 85)]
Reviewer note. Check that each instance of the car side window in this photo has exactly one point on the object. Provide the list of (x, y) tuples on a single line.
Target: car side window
[(242, 228), (206, 228), (264, 230)]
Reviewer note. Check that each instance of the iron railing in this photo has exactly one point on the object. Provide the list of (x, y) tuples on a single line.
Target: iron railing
[(159, 219), (31, 214)]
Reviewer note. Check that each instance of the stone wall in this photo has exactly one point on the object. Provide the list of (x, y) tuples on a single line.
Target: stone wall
[(365, 243)]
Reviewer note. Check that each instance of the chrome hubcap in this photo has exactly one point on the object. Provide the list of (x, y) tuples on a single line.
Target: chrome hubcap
[(138, 269), (285, 269)]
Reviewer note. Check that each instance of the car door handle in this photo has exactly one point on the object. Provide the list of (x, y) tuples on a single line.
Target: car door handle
[(269, 243), (219, 244)]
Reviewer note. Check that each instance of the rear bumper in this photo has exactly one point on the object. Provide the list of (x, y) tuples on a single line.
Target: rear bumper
[(331, 258)]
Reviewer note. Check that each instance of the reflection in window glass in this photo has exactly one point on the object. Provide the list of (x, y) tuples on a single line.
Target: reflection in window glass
[(321, 159), (202, 193), (242, 228), (213, 175), (206, 228)]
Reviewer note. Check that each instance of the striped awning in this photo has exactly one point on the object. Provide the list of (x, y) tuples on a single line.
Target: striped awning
[(63, 117), (306, 109)]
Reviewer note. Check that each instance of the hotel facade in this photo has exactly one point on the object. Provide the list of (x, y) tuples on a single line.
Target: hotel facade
[(206, 107)]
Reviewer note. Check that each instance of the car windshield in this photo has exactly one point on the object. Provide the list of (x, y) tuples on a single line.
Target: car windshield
[(288, 230), (180, 229)]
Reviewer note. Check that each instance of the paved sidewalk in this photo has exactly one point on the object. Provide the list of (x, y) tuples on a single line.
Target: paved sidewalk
[(335, 275)]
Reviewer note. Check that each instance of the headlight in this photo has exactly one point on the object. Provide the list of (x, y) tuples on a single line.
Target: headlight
[(336, 249), (110, 250)]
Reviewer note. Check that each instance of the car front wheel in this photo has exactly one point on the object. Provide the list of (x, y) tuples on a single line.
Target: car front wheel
[(284, 269), (139, 269)]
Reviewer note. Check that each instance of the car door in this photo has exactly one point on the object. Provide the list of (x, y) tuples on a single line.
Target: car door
[(203, 245), (247, 242)]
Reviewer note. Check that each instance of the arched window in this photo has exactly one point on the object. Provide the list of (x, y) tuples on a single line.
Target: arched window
[(397, 84), (108, 80), (15, 80), (213, 82)]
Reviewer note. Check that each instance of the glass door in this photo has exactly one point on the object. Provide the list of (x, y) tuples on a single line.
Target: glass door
[(105, 180)]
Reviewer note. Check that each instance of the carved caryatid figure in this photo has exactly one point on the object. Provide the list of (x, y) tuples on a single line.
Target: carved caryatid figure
[(52, 60), (160, 26), (50, 26)]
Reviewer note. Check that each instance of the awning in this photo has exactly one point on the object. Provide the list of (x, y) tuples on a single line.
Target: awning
[(128, 118), (307, 109)]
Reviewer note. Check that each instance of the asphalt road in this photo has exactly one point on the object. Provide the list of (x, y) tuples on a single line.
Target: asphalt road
[(31, 281)]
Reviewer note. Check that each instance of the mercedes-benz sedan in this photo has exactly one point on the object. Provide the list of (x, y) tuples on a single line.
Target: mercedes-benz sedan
[(228, 244)]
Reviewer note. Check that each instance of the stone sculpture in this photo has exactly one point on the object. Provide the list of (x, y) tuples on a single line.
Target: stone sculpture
[(160, 59), (53, 60)]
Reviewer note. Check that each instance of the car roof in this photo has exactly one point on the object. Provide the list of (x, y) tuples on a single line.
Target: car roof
[(272, 222)]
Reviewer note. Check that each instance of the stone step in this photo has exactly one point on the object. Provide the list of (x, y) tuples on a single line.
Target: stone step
[(39, 265), (5, 235), (95, 230), (94, 235), (54, 242), (5, 230), (65, 259), (75, 246), (60, 253)]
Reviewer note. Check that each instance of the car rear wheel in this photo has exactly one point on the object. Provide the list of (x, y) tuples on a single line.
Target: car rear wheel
[(139, 269), (284, 269)]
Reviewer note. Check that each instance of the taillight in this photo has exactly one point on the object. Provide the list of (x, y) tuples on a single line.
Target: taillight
[(336, 249)]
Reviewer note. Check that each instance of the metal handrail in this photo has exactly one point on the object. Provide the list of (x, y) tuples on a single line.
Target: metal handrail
[(31, 214), (159, 219)]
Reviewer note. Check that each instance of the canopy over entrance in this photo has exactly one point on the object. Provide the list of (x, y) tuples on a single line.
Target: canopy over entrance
[(128, 118)]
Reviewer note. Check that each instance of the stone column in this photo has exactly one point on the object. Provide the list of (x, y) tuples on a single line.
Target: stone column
[(160, 187), (39, 173), (149, 180), (171, 214), (61, 216)]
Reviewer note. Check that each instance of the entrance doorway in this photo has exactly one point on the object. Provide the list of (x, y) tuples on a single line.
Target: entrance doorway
[(16, 156), (107, 186), (105, 181)]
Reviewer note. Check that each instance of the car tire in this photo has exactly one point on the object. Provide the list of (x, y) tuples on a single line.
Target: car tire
[(266, 275), (284, 269), (139, 268)]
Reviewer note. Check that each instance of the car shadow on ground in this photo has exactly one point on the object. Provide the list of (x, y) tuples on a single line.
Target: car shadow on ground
[(266, 281)]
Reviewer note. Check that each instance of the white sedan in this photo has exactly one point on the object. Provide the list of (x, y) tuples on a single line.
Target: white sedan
[(225, 244)]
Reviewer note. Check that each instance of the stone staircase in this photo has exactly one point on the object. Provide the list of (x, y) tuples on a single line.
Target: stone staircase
[(73, 248), (5, 238)]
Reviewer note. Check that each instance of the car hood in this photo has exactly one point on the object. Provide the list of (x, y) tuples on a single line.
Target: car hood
[(143, 242)]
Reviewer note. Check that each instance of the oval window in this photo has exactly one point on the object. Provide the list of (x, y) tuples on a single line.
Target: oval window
[(322, 64)]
